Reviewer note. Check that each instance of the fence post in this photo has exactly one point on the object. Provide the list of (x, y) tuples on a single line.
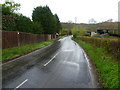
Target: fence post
[(18, 38)]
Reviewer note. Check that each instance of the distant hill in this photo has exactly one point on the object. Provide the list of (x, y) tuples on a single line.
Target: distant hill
[(69, 26), (91, 27)]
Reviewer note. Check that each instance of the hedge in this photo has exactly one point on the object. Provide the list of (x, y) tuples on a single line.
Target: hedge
[(112, 46)]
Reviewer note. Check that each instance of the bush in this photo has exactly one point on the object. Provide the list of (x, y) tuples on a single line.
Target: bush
[(43, 20), (112, 46), (37, 28), (74, 36), (8, 23), (107, 69), (49, 22), (23, 24), (79, 32), (64, 32)]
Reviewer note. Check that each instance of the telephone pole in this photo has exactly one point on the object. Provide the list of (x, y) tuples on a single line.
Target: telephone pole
[(75, 22)]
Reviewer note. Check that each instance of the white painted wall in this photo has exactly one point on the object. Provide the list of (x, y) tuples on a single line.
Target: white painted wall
[(93, 33)]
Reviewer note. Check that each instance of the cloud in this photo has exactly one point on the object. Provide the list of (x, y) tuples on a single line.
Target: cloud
[(84, 10)]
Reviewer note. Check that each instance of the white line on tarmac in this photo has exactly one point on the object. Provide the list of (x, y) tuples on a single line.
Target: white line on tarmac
[(21, 84), (51, 60), (68, 50)]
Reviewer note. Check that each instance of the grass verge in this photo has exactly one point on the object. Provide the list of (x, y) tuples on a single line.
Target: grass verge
[(106, 67), (22, 50)]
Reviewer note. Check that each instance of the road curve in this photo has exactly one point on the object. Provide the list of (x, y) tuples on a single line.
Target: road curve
[(63, 64)]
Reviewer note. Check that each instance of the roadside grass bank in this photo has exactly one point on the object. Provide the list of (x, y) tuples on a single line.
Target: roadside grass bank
[(10, 53), (61, 36), (110, 45), (107, 69)]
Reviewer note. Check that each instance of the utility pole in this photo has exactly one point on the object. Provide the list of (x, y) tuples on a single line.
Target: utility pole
[(75, 21)]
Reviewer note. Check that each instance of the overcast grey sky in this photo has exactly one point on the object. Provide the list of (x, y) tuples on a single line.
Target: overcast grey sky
[(100, 10)]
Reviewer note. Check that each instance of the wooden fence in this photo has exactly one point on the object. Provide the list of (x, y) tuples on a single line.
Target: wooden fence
[(13, 39)]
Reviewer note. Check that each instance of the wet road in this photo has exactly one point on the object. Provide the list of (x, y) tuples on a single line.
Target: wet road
[(60, 65)]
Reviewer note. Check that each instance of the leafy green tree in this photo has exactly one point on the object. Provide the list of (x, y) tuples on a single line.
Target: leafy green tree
[(37, 28), (79, 31), (44, 16), (64, 32), (5, 10), (58, 24), (8, 15), (9, 7), (8, 22), (23, 24), (43, 20)]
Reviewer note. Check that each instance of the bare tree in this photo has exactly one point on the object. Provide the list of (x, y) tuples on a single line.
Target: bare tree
[(92, 21)]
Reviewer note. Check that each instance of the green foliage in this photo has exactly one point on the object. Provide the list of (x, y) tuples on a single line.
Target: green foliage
[(114, 32), (23, 24), (112, 46), (43, 20), (44, 16), (8, 22), (10, 7), (37, 28), (21, 50), (94, 27), (8, 18), (64, 32), (79, 31), (16, 22), (5, 10), (109, 25), (58, 24), (105, 65)]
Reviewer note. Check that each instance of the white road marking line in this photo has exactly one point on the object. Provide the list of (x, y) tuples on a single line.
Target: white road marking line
[(68, 50), (89, 66), (50, 60), (21, 84)]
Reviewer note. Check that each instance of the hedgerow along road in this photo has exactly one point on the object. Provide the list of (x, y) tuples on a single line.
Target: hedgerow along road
[(63, 64)]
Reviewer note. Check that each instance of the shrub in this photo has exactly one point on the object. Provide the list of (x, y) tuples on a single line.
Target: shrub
[(79, 32), (37, 28), (8, 23), (112, 46), (23, 24)]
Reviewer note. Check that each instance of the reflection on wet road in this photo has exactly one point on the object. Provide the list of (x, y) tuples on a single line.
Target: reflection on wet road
[(63, 64)]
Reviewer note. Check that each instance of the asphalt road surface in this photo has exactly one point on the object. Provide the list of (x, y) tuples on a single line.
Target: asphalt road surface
[(62, 64)]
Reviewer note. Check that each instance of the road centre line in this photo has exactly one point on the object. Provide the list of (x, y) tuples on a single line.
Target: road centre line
[(21, 84), (50, 60), (68, 50)]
